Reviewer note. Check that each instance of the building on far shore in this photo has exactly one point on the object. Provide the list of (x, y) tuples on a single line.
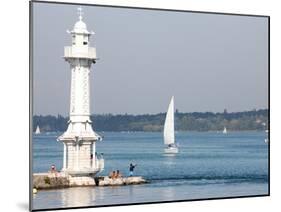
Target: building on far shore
[(79, 158)]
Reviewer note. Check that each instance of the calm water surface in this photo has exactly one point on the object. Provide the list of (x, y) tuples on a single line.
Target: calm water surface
[(209, 165)]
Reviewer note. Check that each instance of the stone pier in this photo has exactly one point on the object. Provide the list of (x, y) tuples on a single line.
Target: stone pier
[(60, 180)]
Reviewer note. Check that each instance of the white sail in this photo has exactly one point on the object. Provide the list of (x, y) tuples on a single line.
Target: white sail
[(169, 131), (224, 130), (37, 130)]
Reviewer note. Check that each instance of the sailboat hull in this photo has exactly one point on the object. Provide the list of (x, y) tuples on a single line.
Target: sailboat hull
[(171, 150)]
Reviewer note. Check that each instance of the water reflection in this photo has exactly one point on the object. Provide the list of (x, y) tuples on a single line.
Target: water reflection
[(91, 196), (79, 196), (169, 193), (169, 159)]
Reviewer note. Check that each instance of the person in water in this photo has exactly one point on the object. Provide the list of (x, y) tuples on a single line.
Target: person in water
[(131, 169)]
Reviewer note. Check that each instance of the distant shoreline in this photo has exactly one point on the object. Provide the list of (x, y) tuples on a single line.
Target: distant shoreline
[(255, 120), (180, 131)]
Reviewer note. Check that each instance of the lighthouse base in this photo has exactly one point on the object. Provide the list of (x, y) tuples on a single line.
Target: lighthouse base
[(81, 181), (81, 177)]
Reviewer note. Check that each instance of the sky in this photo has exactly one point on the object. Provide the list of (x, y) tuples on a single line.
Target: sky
[(209, 62)]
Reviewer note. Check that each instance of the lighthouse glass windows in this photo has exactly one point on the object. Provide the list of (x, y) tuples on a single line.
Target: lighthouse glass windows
[(99, 104), (80, 39), (85, 41)]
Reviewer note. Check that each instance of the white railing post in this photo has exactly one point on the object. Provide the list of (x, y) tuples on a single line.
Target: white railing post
[(64, 156), (77, 156)]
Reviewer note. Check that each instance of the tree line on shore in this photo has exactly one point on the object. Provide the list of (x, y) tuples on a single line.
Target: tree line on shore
[(196, 121)]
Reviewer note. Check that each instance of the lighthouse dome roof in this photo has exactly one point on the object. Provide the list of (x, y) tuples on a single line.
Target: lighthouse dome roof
[(80, 27)]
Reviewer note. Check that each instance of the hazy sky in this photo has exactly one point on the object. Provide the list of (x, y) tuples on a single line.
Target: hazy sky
[(208, 62)]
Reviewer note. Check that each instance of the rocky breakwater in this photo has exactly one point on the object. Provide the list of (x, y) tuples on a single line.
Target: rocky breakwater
[(59, 180), (106, 181), (50, 181)]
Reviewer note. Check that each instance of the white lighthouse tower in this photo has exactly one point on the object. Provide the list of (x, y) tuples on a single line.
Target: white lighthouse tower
[(80, 158)]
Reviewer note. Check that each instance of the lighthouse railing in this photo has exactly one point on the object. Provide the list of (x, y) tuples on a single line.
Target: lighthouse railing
[(80, 52)]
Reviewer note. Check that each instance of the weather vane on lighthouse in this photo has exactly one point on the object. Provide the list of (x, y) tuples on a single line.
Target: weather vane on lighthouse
[(80, 158), (80, 13)]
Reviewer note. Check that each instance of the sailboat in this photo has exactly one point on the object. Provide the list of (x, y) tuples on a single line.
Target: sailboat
[(266, 140), (224, 131), (169, 130), (37, 131)]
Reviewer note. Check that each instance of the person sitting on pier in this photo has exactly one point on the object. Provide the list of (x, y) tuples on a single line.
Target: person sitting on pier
[(112, 175), (118, 174), (53, 171), (131, 169), (53, 168)]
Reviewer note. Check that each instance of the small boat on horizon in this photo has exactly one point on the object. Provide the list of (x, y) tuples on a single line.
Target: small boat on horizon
[(37, 131), (266, 140), (169, 130), (224, 130)]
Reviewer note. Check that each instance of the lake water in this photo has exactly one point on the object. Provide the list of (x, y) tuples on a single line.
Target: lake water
[(209, 165)]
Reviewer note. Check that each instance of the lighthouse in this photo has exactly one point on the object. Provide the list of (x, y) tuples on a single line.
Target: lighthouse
[(80, 160)]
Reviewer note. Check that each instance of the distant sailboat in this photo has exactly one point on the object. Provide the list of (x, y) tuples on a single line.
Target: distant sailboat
[(37, 131), (224, 131), (169, 130), (266, 140)]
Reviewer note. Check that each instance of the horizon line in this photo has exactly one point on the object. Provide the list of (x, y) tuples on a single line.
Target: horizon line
[(140, 114)]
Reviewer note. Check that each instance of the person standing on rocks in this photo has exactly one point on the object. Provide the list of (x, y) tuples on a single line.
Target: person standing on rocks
[(131, 169)]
